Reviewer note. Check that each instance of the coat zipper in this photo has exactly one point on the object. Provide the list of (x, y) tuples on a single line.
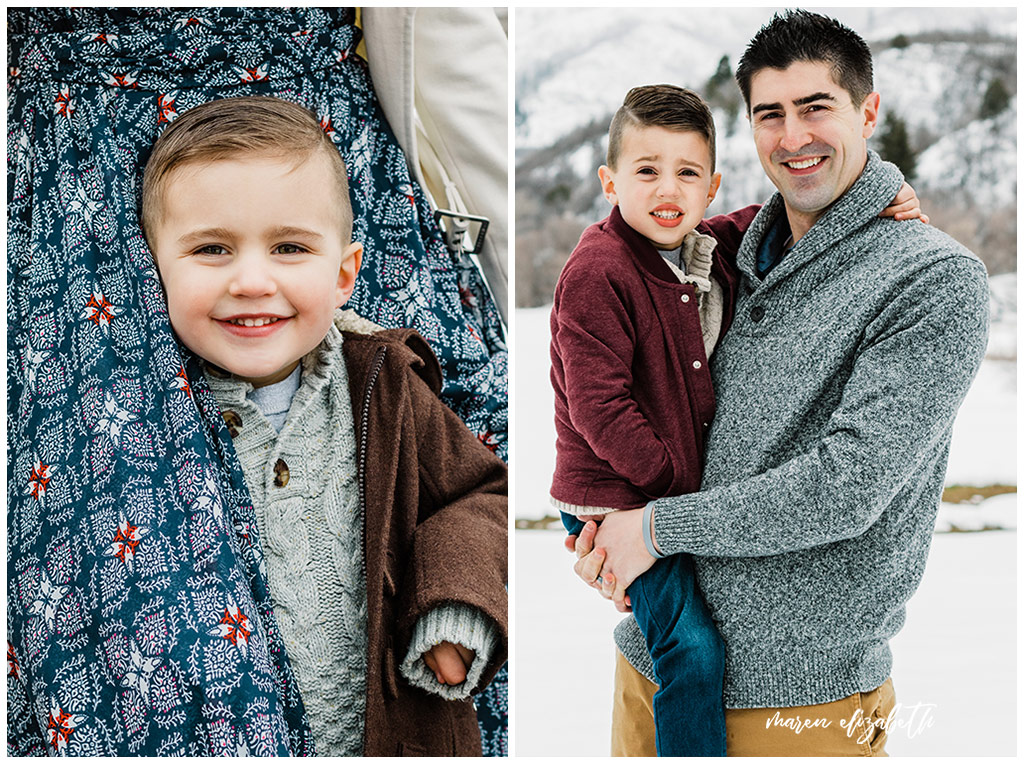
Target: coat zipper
[(378, 363)]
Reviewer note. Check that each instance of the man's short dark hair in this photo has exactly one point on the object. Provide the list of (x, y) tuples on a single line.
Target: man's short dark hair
[(798, 35), (668, 106)]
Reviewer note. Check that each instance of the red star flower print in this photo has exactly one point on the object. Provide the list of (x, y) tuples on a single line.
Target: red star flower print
[(180, 382), (125, 542), (38, 480), (126, 80), (64, 104), (60, 727), (235, 627), (12, 662), (165, 104), (100, 311), (253, 74)]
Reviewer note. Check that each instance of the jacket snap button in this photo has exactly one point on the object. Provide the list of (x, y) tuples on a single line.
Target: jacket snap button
[(757, 313), (233, 421), (281, 474), (697, 364), (685, 298)]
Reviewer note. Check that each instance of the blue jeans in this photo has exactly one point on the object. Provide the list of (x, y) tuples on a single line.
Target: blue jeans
[(687, 652)]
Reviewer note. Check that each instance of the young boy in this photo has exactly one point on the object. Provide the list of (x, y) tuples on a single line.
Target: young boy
[(381, 517), (637, 312)]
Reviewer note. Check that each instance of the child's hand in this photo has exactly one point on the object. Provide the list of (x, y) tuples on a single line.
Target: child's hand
[(906, 206), (449, 662)]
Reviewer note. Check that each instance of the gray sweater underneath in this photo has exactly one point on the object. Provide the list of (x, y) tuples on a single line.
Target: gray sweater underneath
[(836, 387)]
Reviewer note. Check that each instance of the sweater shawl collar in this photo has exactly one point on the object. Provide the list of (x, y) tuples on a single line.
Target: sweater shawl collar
[(869, 195)]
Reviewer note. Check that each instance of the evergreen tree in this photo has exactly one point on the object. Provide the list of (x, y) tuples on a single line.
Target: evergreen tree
[(722, 76), (995, 100), (894, 146), (722, 92)]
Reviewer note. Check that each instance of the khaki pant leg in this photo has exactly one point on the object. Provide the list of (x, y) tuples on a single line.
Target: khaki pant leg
[(851, 726), (632, 711), (760, 731)]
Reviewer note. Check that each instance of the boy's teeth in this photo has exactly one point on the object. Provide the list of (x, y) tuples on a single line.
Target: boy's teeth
[(666, 214), (253, 321), (804, 164)]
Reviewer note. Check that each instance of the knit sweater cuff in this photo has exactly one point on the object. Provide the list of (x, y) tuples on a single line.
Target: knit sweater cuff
[(459, 624), (648, 529), (676, 525), (579, 509)]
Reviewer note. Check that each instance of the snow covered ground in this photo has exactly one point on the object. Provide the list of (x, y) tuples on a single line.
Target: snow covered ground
[(956, 656)]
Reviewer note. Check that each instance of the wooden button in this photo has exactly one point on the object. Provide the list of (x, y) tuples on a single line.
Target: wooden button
[(233, 421), (281, 474)]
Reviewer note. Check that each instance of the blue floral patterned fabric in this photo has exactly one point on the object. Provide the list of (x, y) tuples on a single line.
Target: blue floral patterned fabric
[(138, 616)]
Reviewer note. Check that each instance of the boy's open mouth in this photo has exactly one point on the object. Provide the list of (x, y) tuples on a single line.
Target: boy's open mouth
[(667, 215), (262, 321), (253, 326)]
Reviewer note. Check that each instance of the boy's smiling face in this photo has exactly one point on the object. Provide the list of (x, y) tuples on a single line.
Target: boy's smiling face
[(663, 183), (252, 261)]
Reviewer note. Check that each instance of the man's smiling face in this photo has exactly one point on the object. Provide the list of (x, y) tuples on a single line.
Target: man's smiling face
[(810, 137)]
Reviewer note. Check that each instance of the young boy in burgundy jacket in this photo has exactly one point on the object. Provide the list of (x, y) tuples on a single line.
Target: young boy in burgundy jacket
[(638, 309)]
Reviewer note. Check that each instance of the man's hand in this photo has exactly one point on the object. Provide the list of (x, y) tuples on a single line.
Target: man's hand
[(621, 537), (570, 541), (588, 560), (450, 662), (906, 206)]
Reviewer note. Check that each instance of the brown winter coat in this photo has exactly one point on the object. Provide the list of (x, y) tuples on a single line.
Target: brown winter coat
[(436, 511)]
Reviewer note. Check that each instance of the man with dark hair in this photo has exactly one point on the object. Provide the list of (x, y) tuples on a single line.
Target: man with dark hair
[(799, 35), (853, 344)]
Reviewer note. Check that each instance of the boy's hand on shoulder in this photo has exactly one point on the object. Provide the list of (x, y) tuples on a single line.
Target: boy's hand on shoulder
[(905, 206), (450, 662)]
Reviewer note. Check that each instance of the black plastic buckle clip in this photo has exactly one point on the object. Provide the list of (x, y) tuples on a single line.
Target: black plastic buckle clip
[(455, 229)]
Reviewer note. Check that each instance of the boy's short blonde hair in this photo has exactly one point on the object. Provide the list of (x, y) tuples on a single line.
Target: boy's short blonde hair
[(668, 106), (231, 127)]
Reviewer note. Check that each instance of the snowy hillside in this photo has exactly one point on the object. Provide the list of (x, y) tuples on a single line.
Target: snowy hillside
[(573, 66), (985, 170)]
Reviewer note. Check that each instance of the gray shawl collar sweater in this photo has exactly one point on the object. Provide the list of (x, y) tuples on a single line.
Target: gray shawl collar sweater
[(837, 387)]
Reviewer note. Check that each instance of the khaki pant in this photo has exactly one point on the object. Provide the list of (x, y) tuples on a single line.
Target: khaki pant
[(760, 731)]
